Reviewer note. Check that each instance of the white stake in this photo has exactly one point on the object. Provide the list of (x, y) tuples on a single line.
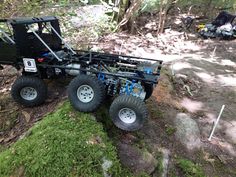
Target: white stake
[(213, 53), (172, 69), (217, 121)]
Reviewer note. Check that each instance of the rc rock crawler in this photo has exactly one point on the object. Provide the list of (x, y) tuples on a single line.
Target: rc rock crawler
[(35, 47)]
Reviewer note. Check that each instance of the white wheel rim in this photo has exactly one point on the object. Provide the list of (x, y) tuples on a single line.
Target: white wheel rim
[(127, 115), (28, 93), (85, 93)]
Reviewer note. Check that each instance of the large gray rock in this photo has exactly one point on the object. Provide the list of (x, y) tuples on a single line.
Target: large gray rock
[(136, 160), (106, 165), (187, 131)]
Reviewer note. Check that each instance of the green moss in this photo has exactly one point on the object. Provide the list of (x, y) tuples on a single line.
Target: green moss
[(172, 172), (190, 169), (156, 113), (143, 175), (170, 130), (64, 143), (102, 115), (2, 148), (160, 168)]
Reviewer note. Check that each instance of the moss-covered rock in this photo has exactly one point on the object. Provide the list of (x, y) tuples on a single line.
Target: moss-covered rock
[(64, 143)]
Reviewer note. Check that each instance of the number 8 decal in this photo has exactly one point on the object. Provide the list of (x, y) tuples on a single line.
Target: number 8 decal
[(29, 65)]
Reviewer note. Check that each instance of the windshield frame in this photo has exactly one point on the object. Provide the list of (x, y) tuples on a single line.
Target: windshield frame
[(6, 32)]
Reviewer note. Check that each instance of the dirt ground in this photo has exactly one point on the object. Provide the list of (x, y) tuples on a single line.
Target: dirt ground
[(15, 119), (198, 77)]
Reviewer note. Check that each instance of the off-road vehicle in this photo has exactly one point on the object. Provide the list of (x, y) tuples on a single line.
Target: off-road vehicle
[(35, 47)]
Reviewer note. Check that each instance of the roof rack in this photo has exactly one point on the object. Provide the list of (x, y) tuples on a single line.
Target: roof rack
[(31, 20)]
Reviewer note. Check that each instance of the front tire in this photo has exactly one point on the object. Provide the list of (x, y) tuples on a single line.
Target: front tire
[(128, 112), (86, 93), (29, 91)]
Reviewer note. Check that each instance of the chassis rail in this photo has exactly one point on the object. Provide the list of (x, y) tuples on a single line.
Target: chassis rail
[(88, 57), (151, 79), (106, 56)]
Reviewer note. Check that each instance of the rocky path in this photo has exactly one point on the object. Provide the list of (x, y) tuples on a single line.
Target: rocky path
[(199, 77)]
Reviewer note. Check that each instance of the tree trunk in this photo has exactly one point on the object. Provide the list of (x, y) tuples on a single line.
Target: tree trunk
[(160, 17), (163, 14), (128, 17), (122, 6)]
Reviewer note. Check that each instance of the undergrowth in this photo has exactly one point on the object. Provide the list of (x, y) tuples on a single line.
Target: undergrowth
[(64, 143), (189, 169), (12, 8)]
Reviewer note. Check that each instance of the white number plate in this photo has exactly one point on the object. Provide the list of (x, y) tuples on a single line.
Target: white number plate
[(30, 65)]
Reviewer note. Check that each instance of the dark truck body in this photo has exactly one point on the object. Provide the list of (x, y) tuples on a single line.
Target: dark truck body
[(28, 46), (35, 45), (8, 53)]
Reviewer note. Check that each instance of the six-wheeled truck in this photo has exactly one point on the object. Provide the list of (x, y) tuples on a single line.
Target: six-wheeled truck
[(35, 47)]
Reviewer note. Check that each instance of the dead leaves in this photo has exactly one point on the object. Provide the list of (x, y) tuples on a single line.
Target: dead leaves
[(27, 116), (19, 172), (206, 157), (96, 140), (9, 138)]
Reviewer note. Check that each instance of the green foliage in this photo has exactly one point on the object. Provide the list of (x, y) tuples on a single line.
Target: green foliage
[(33, 7), (67, 2), (218, 3), (93, 1), (160, 168), (65, 11), (205, 5), (64, 143), (19, 8), (189, 168), (150, 5), (153, 5)]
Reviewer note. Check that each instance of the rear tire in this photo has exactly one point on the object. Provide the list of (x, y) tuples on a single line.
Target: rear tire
[(86, 93), (29, 91), (128, 112)]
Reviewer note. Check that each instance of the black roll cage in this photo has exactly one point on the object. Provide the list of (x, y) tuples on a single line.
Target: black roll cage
[(85, 58)]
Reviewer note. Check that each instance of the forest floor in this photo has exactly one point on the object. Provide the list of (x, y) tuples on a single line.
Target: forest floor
[(198, 77)]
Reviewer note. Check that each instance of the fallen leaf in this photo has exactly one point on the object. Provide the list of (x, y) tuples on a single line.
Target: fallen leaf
[(19, 172), (207, 157), (26, 115), (222, 158), (10, 137), (94, 140)]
